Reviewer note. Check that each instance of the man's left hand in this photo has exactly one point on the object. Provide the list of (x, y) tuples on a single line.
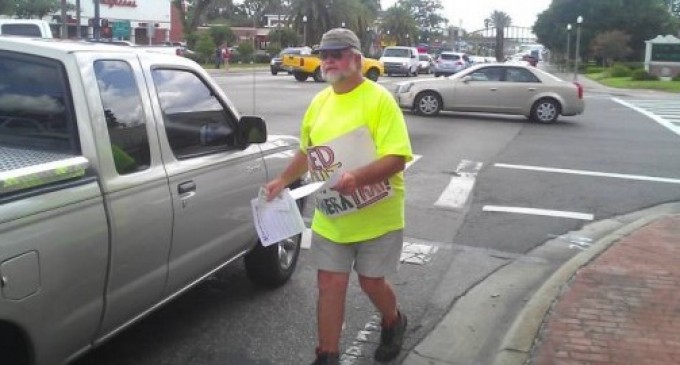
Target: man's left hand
[(347, 184)]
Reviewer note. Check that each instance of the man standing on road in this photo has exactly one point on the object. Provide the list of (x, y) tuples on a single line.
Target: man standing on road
[(355, 133)]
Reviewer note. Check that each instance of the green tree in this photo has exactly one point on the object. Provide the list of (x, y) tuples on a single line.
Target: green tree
[(6, 7), (643, 20), (246, 51), (428, 17), (399, 22), (500, 20), (27, 9), (611, 46), (191, 17), (284, 37), (323, 15), (221, 35), (206, 47)]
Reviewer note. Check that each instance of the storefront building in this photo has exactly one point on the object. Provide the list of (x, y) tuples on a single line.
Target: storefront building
[(137, 21)]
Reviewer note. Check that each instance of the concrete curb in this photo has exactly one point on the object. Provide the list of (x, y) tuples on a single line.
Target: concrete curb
[(519, 340)]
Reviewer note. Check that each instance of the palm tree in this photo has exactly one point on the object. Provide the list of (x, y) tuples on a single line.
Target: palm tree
[(399, 22), (322, 15), (500, 20)]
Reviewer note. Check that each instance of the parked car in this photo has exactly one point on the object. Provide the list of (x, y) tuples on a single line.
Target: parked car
[(448, 63), (125, 179), (25, 28), (476, 60), (400, 61), (495, 88), (276, 63), (425, 64)]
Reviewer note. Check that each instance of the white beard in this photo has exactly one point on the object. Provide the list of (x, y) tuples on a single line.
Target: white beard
[(337, 76)]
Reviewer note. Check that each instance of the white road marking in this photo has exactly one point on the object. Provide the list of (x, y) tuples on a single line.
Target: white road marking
[(306, 240), (650, 113), (541, 212), (590, 173), (456, 193), (410, 163), (417, 253)]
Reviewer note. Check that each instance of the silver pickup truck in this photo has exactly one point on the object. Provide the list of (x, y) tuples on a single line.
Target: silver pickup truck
[(125, 178)]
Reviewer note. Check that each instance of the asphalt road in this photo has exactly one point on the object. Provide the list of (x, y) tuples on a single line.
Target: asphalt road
[(226, 320)]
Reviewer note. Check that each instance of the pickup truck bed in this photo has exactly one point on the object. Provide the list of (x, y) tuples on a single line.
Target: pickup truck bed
[(21, 168)]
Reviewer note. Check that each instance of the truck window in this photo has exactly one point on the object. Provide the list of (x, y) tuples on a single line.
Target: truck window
[(26, 30), (195, 121), (36, 111), (124, 116)]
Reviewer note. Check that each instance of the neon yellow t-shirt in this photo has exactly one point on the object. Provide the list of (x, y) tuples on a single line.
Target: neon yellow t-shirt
[(331, 116)]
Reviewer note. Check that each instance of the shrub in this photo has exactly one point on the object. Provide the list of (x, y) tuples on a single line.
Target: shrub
[(594, 69), (634, 65), (245, 51), (677, 77), (619, 70), (262, 58), (642, 75), (206, 48)]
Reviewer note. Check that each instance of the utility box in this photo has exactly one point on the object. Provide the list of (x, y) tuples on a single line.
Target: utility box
[(662, 56)]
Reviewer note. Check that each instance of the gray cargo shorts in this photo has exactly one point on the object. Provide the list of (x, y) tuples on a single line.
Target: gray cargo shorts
[(374, 258)]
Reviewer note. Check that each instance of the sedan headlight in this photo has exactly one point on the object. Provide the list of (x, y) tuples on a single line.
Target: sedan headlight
[(404, 63), (404, 88)]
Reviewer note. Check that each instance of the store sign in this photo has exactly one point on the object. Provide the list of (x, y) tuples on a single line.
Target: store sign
[(666, 52), (126, 3)]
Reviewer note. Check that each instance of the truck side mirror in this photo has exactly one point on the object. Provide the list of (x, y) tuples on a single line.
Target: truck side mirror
[(252, 130)]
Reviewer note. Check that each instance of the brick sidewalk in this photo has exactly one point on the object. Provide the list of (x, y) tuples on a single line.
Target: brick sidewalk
[(623, 307)]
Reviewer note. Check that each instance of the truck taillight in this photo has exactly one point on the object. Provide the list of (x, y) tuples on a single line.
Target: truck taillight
[(579, 89), (459, 63)]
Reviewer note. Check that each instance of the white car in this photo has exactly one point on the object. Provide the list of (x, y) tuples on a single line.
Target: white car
[(495, 88), (400, 61)]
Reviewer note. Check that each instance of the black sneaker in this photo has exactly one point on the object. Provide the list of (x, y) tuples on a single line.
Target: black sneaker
[(391, 340), (327, 358)]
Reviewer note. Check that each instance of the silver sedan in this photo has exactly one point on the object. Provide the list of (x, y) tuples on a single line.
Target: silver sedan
[(505, 89)]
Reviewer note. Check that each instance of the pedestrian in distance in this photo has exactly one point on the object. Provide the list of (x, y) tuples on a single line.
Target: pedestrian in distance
[(226, 55), (218, 57), (353, 133)]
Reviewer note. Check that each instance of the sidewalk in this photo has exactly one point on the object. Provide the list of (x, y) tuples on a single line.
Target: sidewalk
[(616, 301), (623, 307)]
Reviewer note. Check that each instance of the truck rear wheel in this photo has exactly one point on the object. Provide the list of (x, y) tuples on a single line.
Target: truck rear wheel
[(318, 77), (300, 76), (272, 266)]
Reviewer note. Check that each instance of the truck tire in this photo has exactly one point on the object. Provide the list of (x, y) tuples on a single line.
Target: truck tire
[(272, 266), (373, 74), (318, 77), (13, 347), (300, 76)]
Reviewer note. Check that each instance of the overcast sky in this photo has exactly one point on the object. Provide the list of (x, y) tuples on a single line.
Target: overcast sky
[(473, 12)]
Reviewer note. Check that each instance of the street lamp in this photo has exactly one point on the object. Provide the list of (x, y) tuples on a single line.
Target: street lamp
[(568, 45), (304, 30), (579, 20)]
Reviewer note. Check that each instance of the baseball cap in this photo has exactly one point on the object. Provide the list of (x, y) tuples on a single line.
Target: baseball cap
[(339, 38)]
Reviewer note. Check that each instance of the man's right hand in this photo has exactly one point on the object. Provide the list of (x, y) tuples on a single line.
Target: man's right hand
[(274, 188)]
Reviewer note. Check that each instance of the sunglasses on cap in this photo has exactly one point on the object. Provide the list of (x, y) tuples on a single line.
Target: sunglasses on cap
[(334, 54)]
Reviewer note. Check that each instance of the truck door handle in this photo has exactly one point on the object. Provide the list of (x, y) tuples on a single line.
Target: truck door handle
[(493, 89), (186, 187), (532, 89)]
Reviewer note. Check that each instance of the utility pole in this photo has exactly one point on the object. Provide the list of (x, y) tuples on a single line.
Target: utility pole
[(78, 35), (64, 26), (96, 30)]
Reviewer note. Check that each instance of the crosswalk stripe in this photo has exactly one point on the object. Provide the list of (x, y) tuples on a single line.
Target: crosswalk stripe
[(655, 110)]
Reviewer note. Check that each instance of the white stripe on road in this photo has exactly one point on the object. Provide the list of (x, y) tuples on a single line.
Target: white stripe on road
[(590, 173), (456, 193), (541, 212), (668, 125)]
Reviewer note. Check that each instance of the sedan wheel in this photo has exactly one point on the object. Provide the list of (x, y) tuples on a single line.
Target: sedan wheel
[(545, 111), (428, 104)]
